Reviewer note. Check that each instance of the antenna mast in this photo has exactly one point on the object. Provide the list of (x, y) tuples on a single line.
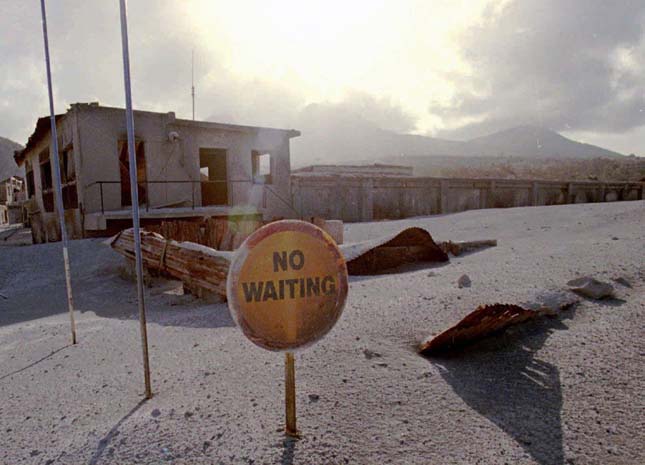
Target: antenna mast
[(192, 80)]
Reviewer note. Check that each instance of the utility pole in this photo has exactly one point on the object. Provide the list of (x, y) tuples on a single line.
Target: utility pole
[(58, 192)]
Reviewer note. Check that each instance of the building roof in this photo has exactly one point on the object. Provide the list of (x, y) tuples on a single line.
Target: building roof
[(43, 126)]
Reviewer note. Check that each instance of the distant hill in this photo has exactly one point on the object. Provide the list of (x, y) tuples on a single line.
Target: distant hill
[(8, 166), (534, 142), (329, 136)]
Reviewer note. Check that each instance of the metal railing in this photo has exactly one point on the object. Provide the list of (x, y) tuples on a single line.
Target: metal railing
[(146, 184)]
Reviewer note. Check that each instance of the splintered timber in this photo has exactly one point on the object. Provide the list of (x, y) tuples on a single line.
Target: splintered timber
[(291, 288)]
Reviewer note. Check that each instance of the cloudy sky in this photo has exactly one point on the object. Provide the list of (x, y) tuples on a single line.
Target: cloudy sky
[(445, 68)]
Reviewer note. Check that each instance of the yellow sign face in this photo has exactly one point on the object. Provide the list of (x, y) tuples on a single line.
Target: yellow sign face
[(287, 285)]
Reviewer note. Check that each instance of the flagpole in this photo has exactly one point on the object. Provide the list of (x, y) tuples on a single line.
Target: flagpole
[(134, 192), (58, 194)]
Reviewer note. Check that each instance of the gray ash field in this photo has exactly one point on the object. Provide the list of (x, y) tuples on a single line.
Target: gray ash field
[(567, 390)]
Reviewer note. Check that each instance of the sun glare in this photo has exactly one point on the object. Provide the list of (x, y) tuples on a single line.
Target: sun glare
[(400, 50)]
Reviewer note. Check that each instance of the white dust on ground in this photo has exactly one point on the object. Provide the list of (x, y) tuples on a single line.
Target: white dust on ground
[(557, 391)]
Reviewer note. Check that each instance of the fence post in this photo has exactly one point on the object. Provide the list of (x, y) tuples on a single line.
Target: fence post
[(534, 193), (571, 198), (367, 199), (339, 201), (483, 194), (491, 194), (101, 188), (443, 196)]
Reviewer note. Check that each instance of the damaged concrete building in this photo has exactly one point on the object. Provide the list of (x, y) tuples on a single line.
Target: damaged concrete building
[(12, 196), (186, 170)]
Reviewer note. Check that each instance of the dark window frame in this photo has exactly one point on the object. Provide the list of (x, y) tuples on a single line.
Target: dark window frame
[(31, 185), (46, 180)]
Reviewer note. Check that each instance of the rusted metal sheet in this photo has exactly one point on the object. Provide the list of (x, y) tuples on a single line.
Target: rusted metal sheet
[(487, 320), (484, 321), (388, 252)]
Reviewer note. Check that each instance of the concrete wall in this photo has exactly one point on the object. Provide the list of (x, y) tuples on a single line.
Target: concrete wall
[(178, 160), (45, 225), (15, 213), (365, 199), (99, 132), (239, 145), (358, 170)]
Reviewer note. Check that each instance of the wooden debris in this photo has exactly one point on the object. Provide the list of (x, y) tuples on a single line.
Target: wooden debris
[(203, 269), (457, 248), (219, 233), (195, 265)]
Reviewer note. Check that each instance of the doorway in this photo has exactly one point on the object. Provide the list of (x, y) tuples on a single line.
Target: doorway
[(124, 169), (213, 175)]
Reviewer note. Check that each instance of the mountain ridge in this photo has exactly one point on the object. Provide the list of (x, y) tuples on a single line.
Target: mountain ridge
[(330, 137)]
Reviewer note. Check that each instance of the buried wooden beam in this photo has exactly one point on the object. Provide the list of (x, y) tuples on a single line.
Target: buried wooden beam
[(458, 248), (196, 265)]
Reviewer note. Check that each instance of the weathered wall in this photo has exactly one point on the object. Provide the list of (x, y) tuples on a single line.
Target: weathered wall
[(44, 224), (365, 199), (239, 145), (95, 132), (15, 214), (101, 129)]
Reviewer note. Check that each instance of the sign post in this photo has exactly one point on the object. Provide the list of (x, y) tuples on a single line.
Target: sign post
[(286, 288), (290, 394)]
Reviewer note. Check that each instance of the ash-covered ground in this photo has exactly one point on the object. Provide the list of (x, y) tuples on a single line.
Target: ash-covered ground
[(565, 390)]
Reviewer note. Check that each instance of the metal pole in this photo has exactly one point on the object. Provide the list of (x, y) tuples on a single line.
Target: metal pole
[(134, 190), (58, 194), (290, 394), (101, 189), (192, 79)]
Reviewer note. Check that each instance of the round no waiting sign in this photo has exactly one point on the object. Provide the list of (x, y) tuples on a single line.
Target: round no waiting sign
[(287, 285)]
